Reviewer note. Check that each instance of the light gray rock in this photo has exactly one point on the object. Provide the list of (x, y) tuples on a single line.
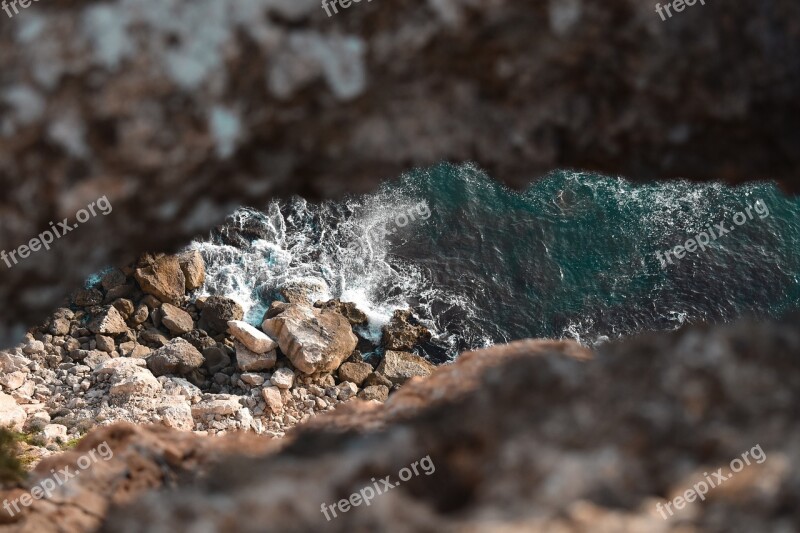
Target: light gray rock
[(217, 404), (11, 415), (283, 378), (255, 340), (249, 361)]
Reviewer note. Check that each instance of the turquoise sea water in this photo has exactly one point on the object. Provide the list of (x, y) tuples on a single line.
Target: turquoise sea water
[(572, 256)]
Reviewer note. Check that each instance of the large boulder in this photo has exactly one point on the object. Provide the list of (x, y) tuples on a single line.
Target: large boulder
[(217, 312), (255, 340), (177, 357), (314, 340), (399, 367), (108, 322), (162, 277), (304, 292), (404, 332), (193, 268)]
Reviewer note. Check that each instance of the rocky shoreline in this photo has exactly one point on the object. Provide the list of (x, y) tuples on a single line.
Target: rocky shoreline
[(139, 345)]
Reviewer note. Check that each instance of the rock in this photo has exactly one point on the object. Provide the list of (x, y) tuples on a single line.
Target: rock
[(162, 278), (177, 357), (375, 392), (355, 372), (377, 379), (346, 309), (200, 339), (304, 292), (108, 322), (94, 358), (314, 340), (283, 378), (139, 383), (87, 297), (399, 367), (11, 415), (217, 404), (59, 326), (272, 397), (33, 347), (275, 308), (105, 344), (249, 361), (347, 390), (13, 380), (54, 433), (403, 332), (176, 320), (176, 386), (215, 359), (125, 307), (176, 413), (141, 314), (193, 268), (152, 337), (113, 278), (218, 311), (255, 340), (254, 380)]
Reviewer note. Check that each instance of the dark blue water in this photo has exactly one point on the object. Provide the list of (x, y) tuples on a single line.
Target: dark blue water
[(572, 256)]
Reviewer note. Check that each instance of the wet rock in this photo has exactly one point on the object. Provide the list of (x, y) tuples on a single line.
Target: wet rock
[(303, 292), (177, 357), (162, 278), (399, 367), (314, 340), (404, 332), (217, 312), (346, 309)]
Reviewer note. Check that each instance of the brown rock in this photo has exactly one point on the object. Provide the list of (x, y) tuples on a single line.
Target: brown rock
[(193, 268), (124, 306), (355, 372), (399, 367), (403, 332), (177, 357), (108, 322), (163, 278), (87, 297), (217, 312), (175, 319), (314, 340), (346, 309), (374, 392)]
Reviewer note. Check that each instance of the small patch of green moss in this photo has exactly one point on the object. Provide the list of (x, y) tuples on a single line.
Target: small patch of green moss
[(71, 443)]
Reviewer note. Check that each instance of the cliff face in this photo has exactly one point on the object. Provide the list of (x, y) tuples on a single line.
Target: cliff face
[(532, 436), (176, 126)]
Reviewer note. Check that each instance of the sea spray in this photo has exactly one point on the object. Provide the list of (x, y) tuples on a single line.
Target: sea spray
[(572, 256)]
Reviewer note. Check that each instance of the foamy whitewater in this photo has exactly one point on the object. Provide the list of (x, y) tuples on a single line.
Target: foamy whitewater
[(572, 256)]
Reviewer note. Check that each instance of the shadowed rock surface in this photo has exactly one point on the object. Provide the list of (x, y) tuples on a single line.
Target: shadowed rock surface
[(128, 100)]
